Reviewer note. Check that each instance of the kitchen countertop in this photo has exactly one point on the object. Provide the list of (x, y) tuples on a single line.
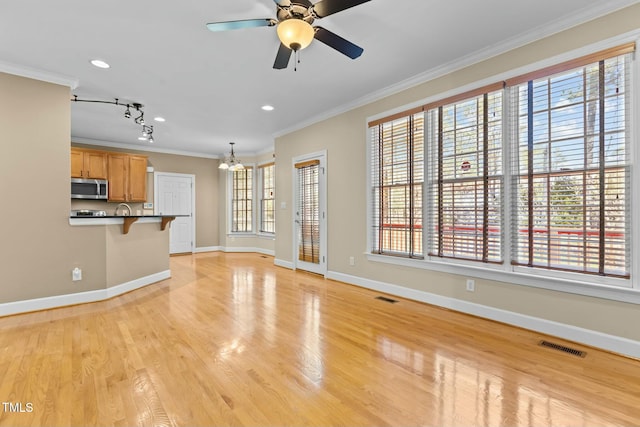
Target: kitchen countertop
[(125, 220)]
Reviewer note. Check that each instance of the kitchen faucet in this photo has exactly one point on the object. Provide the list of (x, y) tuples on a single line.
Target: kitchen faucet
[(124, 205)]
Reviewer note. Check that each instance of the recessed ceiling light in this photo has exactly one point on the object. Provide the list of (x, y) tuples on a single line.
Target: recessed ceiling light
[(159, 119), (99, 63), (267, 107)]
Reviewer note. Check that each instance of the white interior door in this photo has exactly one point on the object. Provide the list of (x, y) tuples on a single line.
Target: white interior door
[(310, 214), (174, 195)]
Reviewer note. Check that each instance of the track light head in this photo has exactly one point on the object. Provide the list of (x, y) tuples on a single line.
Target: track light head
[(140, 119)]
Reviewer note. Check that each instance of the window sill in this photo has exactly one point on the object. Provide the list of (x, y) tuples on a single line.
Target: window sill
[(517, 276), (266, 236), (241, 234)]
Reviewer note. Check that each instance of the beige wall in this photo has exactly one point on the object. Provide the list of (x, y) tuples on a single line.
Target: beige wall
[(141, 252), (345, 137), (38, 247)]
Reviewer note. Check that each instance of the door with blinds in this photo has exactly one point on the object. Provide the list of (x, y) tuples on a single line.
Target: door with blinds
[(310, 214)]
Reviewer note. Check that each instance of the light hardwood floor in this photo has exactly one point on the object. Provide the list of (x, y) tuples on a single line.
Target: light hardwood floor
[(232, 340)]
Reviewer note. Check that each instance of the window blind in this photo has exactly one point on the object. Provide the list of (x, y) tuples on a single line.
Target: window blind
[(571, 167), (308, 213), (267, 198), (242, 200), (465, 177), (397, 180)]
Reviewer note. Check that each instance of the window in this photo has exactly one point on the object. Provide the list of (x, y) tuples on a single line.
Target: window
[(572, 170), (465, 178), (540, 163), (308, 210), (397, 177), (267, 198), (242, 200)]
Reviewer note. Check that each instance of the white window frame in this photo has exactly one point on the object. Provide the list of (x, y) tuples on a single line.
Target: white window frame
[(576, 283), (260, 182), (230, 204)]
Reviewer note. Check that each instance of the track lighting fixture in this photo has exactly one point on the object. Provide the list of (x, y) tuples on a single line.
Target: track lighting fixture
[(147, 131), (231, 163), (140, 119)]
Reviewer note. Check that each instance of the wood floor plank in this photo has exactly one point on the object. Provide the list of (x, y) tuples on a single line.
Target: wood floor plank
[(233, 340)]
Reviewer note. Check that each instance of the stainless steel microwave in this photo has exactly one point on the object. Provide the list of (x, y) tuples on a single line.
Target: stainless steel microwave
[(82, 188)]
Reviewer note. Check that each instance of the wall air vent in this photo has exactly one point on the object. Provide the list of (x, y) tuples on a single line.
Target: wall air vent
[(559, 347)]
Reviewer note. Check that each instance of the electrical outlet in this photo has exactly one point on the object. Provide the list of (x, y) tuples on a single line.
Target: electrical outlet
[(76, 274), (352, 261), (471, 285)]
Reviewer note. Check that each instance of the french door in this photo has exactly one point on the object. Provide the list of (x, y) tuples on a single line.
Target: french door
[(310, 214)]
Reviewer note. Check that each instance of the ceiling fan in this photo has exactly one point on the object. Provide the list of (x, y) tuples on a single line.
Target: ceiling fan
[(294, 19)]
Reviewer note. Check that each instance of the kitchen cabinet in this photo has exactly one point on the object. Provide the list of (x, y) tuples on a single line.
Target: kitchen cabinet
[(88, 164), (127, 175), (137, 178)]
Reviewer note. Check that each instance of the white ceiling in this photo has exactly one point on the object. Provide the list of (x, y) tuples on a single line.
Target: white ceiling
[(210, 86)]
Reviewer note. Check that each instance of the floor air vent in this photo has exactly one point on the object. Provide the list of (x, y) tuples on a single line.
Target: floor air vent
[(389, 300), (559, 347)]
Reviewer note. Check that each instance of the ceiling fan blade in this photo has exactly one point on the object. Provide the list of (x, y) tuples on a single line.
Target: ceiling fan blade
[(328, 7), (238, 25), (283, 3), (282, 57), (338, 43)]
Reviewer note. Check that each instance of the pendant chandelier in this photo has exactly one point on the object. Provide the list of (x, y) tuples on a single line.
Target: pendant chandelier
[(231, 163)]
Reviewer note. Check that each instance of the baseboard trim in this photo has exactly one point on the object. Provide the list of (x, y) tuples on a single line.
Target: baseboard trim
[(37, 304), (285, 264), (235, 250), (615, 344), (207, 249), (231, 249)]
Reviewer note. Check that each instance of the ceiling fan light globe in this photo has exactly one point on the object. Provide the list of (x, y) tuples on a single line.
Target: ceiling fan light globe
[(295, 33)]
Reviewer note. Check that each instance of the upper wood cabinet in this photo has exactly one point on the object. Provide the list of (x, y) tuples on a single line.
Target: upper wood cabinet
[(88, 164), (127, 174), (137, 178), (118, 169)]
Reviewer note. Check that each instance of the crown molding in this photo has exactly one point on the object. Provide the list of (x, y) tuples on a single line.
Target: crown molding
[(121, 146), (36, 74)]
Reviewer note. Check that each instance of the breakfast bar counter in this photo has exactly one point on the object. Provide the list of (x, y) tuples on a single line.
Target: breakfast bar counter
[(125, 220)]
